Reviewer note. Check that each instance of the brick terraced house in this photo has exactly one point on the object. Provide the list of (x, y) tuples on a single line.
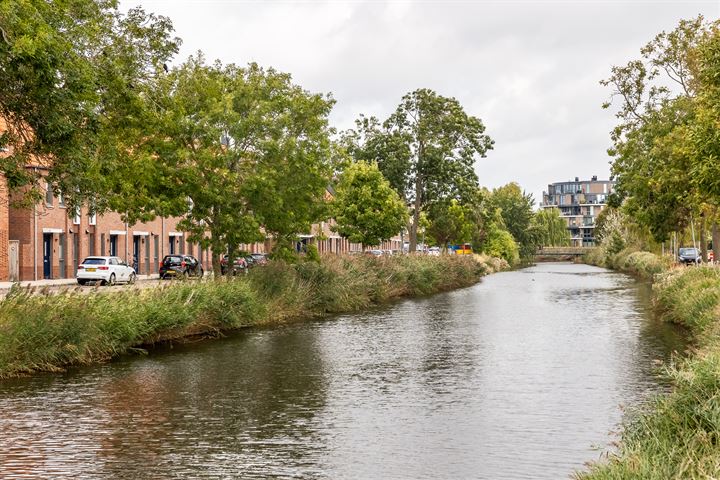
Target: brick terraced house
[(49, 241)]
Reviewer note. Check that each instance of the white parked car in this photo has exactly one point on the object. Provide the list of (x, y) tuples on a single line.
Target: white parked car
[(434, 251), (107, 270)]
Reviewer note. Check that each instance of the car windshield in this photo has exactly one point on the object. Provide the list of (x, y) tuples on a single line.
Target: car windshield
[(688, 251), (94, 261), (170, 260)]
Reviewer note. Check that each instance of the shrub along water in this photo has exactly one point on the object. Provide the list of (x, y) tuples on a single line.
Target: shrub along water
[(49, 332), (677, 436), (640, 264)]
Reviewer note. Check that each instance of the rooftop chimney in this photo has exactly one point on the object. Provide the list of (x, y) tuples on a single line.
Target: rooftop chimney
[(577, 179), (594, 178)]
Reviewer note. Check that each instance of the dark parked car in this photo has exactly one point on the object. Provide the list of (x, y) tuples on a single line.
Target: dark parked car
[(239, 265), (180, 266), (250, 260), (260, 258), (689, 256)]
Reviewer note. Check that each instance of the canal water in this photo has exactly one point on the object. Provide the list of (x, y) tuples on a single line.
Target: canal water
[(525, 375)]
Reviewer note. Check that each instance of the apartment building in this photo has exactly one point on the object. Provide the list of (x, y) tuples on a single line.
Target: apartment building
[(579, 202)]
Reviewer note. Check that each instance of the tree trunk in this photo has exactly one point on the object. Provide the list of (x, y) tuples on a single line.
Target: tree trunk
[(416, 215), (716, 242), (217, 253), (703, 242)]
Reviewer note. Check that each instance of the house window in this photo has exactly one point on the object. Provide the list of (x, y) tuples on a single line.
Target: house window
[(76, 217), (49, 196), (61, 199), (92, 219)]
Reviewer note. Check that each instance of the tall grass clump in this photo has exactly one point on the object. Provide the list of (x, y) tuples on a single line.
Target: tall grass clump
[(49, 332), (690, 296), (640, 264)]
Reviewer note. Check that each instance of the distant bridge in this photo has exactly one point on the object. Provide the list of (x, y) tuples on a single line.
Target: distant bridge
[(562, 251)]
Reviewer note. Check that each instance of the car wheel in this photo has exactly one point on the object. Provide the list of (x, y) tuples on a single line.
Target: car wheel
[(111, 280), (202, 272), (132, 278), (82, 282), (186, 274)]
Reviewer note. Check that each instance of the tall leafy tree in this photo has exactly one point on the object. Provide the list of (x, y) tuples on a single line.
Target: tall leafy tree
[(552, 228), (74, 77), (657, 109), (366, 208), (427, 150), (703, 136), (496, 240), (516, 209), (450, 223), (245, 154)]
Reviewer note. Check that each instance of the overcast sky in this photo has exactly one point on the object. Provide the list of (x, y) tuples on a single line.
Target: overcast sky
[(528, 69)]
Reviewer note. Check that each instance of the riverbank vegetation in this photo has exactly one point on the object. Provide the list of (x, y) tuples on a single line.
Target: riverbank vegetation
[(676, 435), (665, 150), (41, 332)]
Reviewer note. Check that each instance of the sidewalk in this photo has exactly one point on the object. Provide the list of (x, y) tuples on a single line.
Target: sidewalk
[(60, 282)]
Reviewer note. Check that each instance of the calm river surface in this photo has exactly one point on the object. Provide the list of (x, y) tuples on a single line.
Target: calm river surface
[(521, 376)]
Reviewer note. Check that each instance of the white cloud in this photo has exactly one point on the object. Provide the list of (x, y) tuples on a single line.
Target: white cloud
[(529, 69)]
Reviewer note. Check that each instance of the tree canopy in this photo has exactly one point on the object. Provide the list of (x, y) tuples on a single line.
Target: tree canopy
[(427, 150), (516, 209), (659, 162), (245, 153), (74, 77), (366, 208)]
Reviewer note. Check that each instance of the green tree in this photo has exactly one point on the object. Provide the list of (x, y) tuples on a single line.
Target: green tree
[(552, 228), (497, 240), (427, 150), (74, 80), (245, 154), (516, 209), (366, 208), (652, 164), (703, 136), (452, 222)]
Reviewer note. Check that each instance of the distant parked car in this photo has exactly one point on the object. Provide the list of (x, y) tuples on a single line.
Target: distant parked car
[(375, 253), (260, 258), (434, 251), (107, 270), (689, 256), (239, 265), (180, 266)]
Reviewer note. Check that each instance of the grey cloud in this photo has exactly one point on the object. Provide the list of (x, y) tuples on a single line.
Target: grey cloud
[(530, 70)]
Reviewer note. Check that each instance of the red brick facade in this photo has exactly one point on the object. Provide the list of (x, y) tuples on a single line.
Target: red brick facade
[(51, 240), (4, 232)]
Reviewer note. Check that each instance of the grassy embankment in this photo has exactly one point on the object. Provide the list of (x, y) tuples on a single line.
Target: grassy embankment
[(676, 436), (49, 332)]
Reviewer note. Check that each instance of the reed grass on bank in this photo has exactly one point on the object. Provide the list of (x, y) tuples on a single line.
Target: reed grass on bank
[(677, 436), (640, 264), (50, 332)]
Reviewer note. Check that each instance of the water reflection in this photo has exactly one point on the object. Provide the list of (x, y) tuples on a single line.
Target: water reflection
[(518, 377)]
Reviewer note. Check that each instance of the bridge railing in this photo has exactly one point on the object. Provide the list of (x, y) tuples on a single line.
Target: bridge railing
[(563, 251)]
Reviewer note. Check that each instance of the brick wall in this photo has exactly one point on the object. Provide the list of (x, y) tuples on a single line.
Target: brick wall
[(4, 231)]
